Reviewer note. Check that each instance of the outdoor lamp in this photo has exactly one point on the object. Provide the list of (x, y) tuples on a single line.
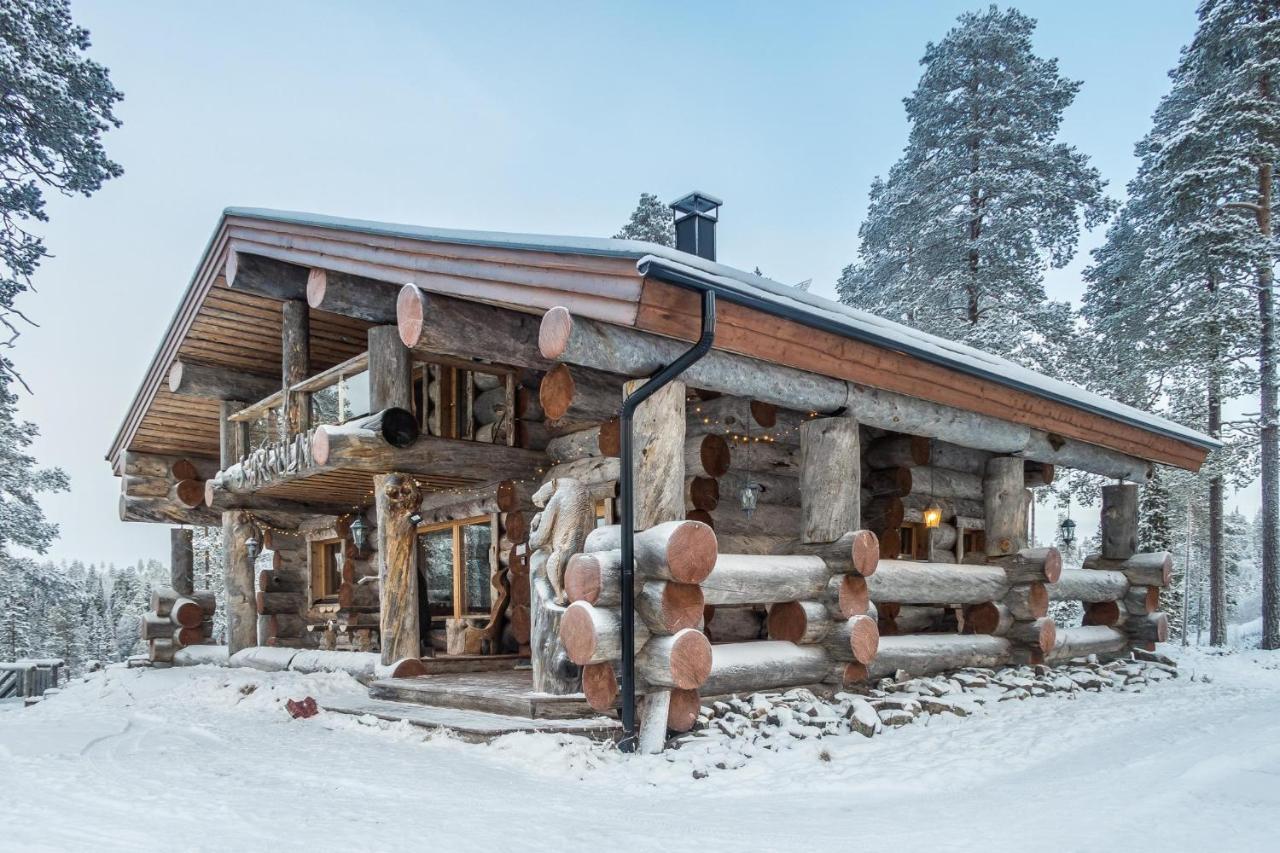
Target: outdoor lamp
[(750, 494), (359, 534), (1067, 532), (252, 547), (932, 515)]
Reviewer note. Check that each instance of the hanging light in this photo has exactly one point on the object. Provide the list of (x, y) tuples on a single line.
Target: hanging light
[(252, 547), (749, 496), (1067, 532), (359, 534)]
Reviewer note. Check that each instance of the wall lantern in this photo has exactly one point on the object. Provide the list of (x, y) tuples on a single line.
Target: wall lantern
[(932, 515), (359, 534), (750, 495), (1067, 532), (253, 548)]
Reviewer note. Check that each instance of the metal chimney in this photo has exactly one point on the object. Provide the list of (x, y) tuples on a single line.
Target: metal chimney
[(696, 217)]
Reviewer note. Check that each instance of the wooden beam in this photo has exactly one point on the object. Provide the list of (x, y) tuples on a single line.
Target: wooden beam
[(616, 349), (164, 510), (190, 379), (233, 435), (830, 479), (352, 295), (430, 324), (263, 276), (295, 343), (395, 497), (221, 499), (181, 561), (238, 578), (390, 370)]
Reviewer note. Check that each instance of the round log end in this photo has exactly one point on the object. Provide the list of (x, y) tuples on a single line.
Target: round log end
[(582, 578), (317, 284), (320, 446), (208, 492), (187, 613), (701, 516), (507, 496), (190, 493), (864, 638), (399, 427), (715, 455), (262, 602), (866, 552), (890, 543), (1052, 565), (690, 658), (1038, 600), (1161, 622), (852, 598), (515, 526), (1166, 570), (704, 493), (411, 308), (610, 440), (888, 609), (921, 450), (764, 414), (175, 376), (408, 668), (1048, 635), (683, 711), (553, 334), (1153, 599), (184, 469), (853, 673), (983, 618), (600, 686), (682, 605), (555, 392), (787, 621), (691, 552), (578, 633)]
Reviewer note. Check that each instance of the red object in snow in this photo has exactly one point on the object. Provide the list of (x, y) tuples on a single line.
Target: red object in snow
[(306, 708)]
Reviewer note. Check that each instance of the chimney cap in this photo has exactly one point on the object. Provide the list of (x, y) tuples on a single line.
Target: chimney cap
[(696, 202)]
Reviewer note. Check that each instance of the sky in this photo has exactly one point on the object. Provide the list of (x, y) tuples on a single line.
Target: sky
[(545, 118)]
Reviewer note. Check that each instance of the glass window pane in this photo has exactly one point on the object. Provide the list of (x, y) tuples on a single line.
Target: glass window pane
[(475, 545), (435, 565), (324, 406), (355, 398)]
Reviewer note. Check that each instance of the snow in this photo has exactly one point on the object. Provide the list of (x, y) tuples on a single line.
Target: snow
[(858, 324), (206, 758)]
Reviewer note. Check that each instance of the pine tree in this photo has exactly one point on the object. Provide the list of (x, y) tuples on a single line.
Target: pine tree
[(1170, 294), (651, 221), (57, 103), (983, 200)]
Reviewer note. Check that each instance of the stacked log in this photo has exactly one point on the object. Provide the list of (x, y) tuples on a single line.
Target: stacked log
[(175, 621)]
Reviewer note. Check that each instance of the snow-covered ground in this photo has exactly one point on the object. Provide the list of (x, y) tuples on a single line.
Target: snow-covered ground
[(204, 758)]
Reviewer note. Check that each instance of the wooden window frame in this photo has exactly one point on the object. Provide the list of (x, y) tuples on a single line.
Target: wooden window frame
[(459, 566), (458, 377), (315, 568)]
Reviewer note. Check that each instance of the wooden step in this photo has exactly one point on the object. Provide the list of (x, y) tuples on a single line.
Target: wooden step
[(475, 726), (507, 692)]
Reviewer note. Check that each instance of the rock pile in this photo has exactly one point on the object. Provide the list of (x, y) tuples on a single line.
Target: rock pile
[(731, 730)]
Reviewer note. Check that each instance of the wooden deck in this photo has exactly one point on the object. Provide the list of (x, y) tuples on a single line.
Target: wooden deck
[(507, 692)]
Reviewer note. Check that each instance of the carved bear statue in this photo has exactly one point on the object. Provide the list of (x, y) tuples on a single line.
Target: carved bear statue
[(567, 517)]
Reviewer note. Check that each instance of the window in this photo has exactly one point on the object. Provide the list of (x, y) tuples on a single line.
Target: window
[(346, 398), (604, 512), (455, 565), (326, 568)]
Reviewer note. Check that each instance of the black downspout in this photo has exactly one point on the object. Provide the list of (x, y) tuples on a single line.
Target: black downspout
[(627, 496)]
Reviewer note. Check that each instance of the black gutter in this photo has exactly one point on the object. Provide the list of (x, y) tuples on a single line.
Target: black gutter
[(626, 487), (689, 277)]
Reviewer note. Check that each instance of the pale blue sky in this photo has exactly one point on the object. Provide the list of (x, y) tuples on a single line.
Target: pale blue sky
[(506, 116)]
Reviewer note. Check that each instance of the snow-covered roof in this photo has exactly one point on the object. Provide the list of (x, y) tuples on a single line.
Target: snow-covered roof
[(767, 294)]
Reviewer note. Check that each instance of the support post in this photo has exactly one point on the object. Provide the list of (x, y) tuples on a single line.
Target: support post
[(181, 561), (1005, 506), (295, 341), (1119, 521), (237, 570), (390, 370), (396, 497), (233, 436), (830, 479), (658, 433)]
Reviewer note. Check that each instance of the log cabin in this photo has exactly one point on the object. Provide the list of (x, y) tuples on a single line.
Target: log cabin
[(620, 468)]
